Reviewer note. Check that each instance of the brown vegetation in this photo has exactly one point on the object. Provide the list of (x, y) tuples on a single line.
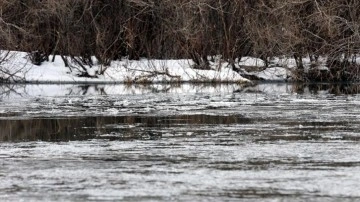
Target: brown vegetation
[(196, 29)]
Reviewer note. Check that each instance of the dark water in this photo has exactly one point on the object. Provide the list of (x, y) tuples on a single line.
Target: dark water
[(269, 142)]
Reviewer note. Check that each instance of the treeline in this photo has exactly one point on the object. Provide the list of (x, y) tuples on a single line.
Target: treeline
[(196, 29)]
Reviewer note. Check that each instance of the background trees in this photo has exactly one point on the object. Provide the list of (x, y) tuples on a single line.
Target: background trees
[(109, 30)]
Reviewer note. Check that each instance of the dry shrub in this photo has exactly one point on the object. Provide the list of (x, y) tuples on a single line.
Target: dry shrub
[(196, 29)]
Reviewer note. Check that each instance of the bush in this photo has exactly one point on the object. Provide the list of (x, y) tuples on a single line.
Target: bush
[(193, 29)]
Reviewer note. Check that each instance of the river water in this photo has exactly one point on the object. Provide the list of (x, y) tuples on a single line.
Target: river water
[(268, 142)]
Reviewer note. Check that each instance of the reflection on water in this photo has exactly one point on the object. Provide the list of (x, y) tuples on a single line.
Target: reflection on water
[(336, 89), (82, 128), (19, 90)]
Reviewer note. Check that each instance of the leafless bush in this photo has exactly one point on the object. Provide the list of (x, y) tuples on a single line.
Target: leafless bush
[(77, 30)]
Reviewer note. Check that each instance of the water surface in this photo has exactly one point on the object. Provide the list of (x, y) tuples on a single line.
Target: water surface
[(269, 142)]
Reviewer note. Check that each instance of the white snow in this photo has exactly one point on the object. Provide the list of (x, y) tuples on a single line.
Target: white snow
[(145, 71), (251, 61), (124, 71), (274, 73)]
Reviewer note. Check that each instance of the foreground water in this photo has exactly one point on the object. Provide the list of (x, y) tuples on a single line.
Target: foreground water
[(270, 142)]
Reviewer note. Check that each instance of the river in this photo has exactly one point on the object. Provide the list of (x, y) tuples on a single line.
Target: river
[(268, 142)]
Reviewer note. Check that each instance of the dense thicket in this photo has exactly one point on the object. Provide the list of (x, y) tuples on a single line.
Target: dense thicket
[(109, 30)]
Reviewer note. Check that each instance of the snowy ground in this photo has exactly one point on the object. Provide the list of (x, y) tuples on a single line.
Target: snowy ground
[(17, 65)]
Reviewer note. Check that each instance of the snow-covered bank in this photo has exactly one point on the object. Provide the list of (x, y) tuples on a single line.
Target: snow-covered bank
[(124, 71), (17, 67)]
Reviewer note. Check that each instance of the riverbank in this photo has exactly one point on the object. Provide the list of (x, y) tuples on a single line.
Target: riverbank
[(19, 67), (117, 36)]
